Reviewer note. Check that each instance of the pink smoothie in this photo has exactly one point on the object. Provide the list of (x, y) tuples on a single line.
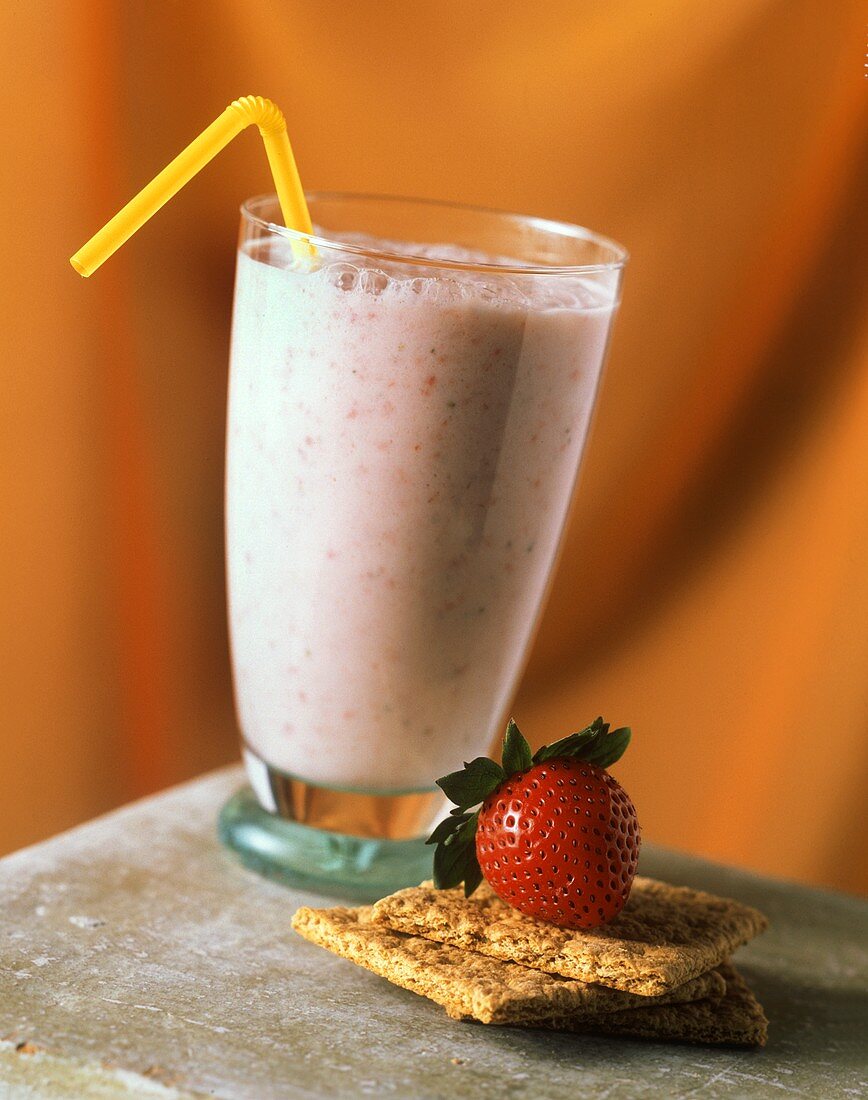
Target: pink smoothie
[(401, 453)]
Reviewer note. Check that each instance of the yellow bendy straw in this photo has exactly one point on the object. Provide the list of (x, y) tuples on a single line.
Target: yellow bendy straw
[(238, 116)]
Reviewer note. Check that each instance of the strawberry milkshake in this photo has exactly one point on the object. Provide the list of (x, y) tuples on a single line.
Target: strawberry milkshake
[(410, 390), (405, 427)]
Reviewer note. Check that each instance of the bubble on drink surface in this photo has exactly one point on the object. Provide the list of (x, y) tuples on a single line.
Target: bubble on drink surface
[(444, 289), (373, 281), (344, 276), (505, 290), (455, 286), (565, 292)]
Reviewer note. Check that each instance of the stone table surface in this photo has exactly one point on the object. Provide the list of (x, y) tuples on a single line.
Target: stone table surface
[(137, 958)]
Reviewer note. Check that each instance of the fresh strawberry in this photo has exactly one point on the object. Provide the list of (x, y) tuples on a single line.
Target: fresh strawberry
[(556, 836)]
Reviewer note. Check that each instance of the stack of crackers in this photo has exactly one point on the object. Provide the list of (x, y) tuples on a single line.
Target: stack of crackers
[(660, 970)]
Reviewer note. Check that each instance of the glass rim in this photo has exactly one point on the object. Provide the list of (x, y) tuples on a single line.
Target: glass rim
[(557, 228)]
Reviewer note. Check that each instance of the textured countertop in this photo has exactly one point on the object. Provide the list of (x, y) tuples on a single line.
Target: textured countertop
[(138, 959)]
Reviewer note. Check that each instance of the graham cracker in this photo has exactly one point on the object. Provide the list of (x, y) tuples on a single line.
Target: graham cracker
[(473, 986), (665, 935), (737, 1019)]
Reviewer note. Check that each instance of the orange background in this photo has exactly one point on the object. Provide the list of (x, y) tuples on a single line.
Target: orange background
[(714, 588)]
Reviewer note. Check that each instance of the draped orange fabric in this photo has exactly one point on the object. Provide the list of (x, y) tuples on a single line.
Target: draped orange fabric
[(713, 591)]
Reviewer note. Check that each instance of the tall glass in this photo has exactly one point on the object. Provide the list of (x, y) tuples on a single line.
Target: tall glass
[(408, 403)]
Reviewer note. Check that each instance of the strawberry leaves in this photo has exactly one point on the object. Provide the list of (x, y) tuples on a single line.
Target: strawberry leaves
[(608, 747), (595, 743), (455, 863), (455, 855), (516, 751), (568, 746), (445, 830), (455, 858), (473, 784)]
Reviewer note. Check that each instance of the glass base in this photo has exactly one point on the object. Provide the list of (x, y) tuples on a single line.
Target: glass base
[(357, 868)]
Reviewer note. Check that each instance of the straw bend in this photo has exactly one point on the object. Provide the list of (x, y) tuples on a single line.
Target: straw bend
[(247, 111), (259, 111)]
